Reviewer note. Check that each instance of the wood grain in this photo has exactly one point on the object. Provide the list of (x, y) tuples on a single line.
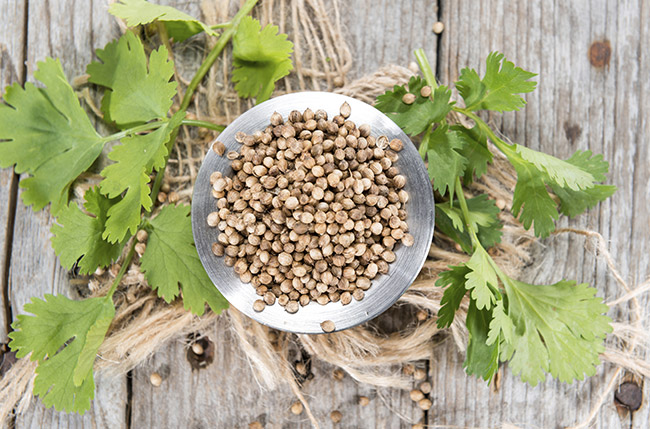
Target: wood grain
[(576, 106), (70, 31), (12, 43)]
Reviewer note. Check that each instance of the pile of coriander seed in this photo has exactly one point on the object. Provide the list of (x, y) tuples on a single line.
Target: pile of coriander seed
[(314, 210)]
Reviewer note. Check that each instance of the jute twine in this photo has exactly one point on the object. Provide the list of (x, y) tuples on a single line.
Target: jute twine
[(369, 353)]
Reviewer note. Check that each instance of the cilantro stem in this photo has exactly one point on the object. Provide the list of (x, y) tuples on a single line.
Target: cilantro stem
[(425, 67), (222, 41), (203, 124), (222, 25), (465, 210), (502, 145), (120, 274), (129, 132)]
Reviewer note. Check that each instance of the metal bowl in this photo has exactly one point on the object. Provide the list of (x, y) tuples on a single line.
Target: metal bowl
[(385, 289)]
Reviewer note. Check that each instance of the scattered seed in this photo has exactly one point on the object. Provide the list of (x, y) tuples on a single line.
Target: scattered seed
[(296, 408), (142, 236), (155, 379), (417, 426), (364, 400), (425, 403), (338, 374), (425, 387), (259, 305), (408, 98), (416, 395), (301, 368), (328, 326), (422, 315), (140, 248), (197, 348), (438, 27), (500, 203), (255, 425), (336, 416), (419, 374), (219, 148), (425, 91)]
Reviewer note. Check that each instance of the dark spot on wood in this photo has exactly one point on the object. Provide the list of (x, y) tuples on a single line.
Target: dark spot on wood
[(7, 359), (200, 361), (572, 132), (600, 52), (629, 395)]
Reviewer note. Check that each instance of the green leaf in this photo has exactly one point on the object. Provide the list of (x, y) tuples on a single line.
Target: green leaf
[(475, 150), (454, 280), (482, 215), (135, 159), (558, 329), (46, 134), (532, 201), (501, 326), (562, 173), (481, 280), (481, 359), (171, 259), (261, 57), (499, 88), (416, 117), (573, 203), (64, 336), (179, 25), (79, 235), (445, 162), (136, 93)]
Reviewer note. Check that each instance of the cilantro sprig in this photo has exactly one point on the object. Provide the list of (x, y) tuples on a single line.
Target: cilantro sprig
[(553, 329), (46, 133)]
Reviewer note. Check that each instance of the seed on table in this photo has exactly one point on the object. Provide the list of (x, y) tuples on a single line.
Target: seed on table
[(416, 395), (364, 400), (255, 425), (338, 374), (219, 148), (197, 349), (422, 315), (296, 408), (438, 27), (425, 387), (419, 374), (336, 416), (425, 404), (259, 305), (155, 379)]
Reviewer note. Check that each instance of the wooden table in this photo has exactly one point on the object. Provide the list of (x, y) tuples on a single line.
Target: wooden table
[(592, 102)]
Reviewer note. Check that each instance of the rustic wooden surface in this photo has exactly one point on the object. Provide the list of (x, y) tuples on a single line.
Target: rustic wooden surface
[(578, 105)]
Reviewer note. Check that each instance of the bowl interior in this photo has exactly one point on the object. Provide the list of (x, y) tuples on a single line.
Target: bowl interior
[(385, 289)]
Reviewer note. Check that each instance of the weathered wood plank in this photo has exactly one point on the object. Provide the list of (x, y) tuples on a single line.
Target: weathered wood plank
[(70, 31), (577, 106), (12, 42)]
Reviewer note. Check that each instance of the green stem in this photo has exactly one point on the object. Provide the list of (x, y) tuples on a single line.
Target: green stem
[(203, 124), (216, 51), (120, 274), (502, 145), (465, 210), (223, 40), (425, 67), (129, 132), (222, 25)]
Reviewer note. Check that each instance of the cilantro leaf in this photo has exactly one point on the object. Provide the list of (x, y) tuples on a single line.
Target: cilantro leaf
[(499, 88), (454, 280), (135, 92), (261, 57), (558, 329), (47, 134), (416, 117), (482, 215), (445, 162), (64, 336), (501, 326), (531, 195), (171, 259), (135, 159), (481, 359), (573, 203), (179, 25), (563, 173), (475, 150), (482, 279), (79, 235)]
